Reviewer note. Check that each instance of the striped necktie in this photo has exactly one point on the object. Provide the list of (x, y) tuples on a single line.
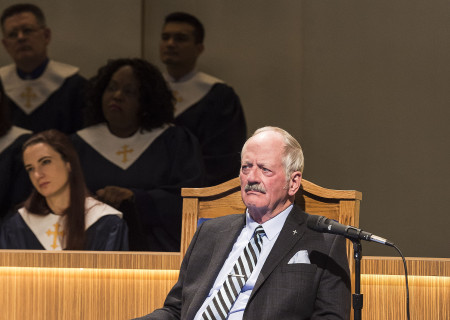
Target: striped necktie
[(223, 300)]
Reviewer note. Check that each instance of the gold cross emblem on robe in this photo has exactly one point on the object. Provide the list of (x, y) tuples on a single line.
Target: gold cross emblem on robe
[(55, 235), (28, 94), (177, 96), (124, 152)]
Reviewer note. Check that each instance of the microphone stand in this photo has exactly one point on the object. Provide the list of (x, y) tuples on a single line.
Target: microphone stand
[(357, 296)]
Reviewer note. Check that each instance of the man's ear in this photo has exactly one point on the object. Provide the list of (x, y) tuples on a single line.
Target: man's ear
[(48, 35), (200, 48), (294, 183)]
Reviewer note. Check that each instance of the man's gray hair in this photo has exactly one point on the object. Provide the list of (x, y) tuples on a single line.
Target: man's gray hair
[(293, 159)]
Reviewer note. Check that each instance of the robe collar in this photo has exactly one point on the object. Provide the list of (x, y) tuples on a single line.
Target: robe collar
[(49, 229), (29, 95), (190, 89), (36, 73), (122, 152), (11, 136)]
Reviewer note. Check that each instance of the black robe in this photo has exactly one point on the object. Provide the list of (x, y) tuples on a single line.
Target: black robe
[(171, 162), (15, 185), (218, 121), (109, 233), (62, 110)]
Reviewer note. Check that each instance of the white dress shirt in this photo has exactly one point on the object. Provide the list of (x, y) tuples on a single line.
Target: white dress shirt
[(272, 229)]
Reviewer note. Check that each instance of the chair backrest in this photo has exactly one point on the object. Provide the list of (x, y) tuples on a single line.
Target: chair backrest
[(225, 199)]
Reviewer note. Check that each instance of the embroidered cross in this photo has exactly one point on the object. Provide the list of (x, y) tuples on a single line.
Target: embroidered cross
[(124, 151), (28, 94), (55, 235), (177, 96)]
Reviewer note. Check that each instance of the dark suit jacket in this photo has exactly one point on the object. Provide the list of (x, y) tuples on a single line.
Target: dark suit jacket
[(320, 290)]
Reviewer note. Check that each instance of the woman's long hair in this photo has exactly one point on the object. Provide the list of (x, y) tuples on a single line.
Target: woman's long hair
[(75, 214), (5, 121)]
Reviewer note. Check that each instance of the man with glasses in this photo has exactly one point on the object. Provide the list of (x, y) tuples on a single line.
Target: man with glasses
[(43, 93)]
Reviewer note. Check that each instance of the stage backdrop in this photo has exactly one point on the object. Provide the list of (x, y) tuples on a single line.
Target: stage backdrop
[(362, 84), (87, 33)]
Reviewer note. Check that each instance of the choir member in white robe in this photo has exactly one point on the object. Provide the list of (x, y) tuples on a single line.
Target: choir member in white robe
[(133, 157), (205, 105), (43, 93), (59, 214)]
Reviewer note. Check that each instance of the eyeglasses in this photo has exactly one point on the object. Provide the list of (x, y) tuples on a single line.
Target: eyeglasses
[(26, 31)]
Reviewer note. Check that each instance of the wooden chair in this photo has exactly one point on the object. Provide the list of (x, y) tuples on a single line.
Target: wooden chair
[(225, 198)]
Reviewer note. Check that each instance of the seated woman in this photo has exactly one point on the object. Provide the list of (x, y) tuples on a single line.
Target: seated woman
[(58, 214), (14, 183), (132, 155)]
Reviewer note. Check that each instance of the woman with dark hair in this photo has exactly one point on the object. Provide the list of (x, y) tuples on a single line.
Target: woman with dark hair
[(14, 184), (132, 155), (59, 214)]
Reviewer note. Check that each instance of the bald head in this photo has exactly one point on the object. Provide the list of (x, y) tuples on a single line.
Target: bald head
[(293, 159)]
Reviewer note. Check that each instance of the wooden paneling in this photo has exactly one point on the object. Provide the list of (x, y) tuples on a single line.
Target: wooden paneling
[(115, 285), (84, 284), (90, 259), (383, 287), (78, 293), (416, 266)]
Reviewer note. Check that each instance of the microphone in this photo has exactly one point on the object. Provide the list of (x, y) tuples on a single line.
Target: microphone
[(322, 224)]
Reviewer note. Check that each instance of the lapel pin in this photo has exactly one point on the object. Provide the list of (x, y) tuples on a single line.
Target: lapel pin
[(294, 232)]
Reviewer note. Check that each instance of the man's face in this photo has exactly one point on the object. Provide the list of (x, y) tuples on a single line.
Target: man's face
[(264, 188), (24, 39), (178, 46)]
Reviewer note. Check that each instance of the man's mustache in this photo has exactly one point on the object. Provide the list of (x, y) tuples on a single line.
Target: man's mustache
[(255, 187)]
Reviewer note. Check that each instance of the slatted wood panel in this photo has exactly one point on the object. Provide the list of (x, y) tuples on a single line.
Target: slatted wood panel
[(88, 285), (74, 293), (383, 287), (30, 290), (90, 259)]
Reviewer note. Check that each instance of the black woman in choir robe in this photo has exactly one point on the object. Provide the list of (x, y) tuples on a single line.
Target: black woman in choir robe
[(132, 155), (59, 214)]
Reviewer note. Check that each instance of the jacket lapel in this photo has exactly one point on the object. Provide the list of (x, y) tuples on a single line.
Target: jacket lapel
[(290, 234), (224, 241)]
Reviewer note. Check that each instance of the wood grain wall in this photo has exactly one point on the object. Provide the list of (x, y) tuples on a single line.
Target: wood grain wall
[(100, 285), (383, 286)]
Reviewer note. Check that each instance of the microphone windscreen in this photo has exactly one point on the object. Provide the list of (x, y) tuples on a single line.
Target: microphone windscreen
[(313, 222)]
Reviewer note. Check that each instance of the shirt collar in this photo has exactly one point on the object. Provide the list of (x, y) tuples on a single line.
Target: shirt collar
[(36, 73), (271, 227)]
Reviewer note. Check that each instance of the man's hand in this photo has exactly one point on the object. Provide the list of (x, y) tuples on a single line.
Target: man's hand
[(114, 196)]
